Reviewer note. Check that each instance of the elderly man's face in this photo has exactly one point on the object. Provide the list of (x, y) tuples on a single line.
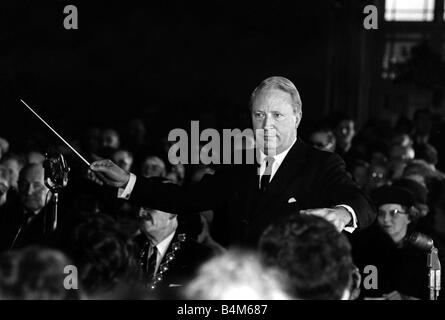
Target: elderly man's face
[(32, 188), (123, 159), (323, 140), (272, 111), (14, 170), (110, 139), (153, 167), (155, 223), (35, 157)]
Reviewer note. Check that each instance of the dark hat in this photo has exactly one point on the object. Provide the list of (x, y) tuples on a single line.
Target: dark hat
[(419, 191), (393, 194)]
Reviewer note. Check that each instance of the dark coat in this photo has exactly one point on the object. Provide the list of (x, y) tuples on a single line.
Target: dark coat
[(315, 179), (401, 268), (181, 269), (19, 228)]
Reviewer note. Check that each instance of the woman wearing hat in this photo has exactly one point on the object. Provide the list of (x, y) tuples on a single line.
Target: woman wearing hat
[(401, 268)]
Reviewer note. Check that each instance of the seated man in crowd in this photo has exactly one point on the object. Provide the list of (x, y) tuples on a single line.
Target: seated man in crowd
[(153, 166), (360, 172), (402, 267), (24, 222), (14, 163), (323, 138), (315, 257), (422, 172), (123, 158), (168, 255)]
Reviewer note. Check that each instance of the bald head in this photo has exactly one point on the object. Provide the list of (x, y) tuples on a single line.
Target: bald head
[(32, 189)]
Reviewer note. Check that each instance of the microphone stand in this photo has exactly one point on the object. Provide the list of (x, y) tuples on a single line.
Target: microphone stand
[(434, 273), (56, 178), (51, 224)]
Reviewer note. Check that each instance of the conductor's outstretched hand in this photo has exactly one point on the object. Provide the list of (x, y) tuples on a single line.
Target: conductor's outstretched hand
[(106, 172)]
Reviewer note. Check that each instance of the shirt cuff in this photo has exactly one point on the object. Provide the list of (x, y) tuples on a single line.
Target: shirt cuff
[(352, 227), (125, 193)]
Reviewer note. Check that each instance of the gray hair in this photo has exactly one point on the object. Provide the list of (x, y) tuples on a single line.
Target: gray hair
[(282, 84), (237, 274)]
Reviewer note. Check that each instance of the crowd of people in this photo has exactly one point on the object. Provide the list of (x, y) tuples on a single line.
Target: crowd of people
[(163, 236)]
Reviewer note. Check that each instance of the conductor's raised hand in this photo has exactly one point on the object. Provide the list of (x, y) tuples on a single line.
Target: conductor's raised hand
[(107, 172)]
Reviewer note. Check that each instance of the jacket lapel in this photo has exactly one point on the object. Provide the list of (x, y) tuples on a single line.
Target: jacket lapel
[(290, 169)]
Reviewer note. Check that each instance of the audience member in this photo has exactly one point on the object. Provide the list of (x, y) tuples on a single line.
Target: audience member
[(314, 255), (123, 159), (153, 166), (15, 164), (401, 267), (360, 173), (26, 220), (168, 253), (34, 273), (102, 252), (237, 275), (323, 139), (35, 157), (4, 147)]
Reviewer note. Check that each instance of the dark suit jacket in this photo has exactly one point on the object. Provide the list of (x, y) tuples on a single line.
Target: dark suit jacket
[(315, 179), (20, 228), (187, 260)]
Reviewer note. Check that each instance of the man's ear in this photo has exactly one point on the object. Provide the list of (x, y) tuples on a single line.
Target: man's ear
[(298, 116), (172, 216)]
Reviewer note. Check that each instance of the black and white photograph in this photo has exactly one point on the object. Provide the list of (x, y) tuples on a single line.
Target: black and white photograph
[(198, 151)]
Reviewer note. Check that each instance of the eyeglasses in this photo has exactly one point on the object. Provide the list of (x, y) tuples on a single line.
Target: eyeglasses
[(392, 213)]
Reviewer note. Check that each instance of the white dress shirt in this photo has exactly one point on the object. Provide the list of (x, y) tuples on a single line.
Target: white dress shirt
[(162, 249), (278, 160)]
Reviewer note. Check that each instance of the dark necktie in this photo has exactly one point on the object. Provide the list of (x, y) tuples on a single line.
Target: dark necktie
[(265, 178), (150, 261)]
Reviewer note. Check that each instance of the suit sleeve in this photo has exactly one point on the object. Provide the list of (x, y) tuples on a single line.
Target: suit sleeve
[(208, 194), (338, 188)]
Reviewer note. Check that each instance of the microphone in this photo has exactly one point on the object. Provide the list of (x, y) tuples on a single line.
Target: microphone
[(421, 241), (425, 243)]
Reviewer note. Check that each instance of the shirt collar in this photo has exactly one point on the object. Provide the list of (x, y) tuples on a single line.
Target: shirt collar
[(164, 244), (279, 157)]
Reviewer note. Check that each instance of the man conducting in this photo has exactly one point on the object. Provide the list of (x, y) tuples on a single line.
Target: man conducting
[(289, 177)]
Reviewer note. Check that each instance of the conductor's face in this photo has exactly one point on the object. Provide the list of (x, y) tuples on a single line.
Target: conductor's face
[(273, 112)]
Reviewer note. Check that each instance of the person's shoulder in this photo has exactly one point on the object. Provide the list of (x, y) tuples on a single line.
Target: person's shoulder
[(197, 249), (233, 172), (367, 236), (316, 156), (192, 254)]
